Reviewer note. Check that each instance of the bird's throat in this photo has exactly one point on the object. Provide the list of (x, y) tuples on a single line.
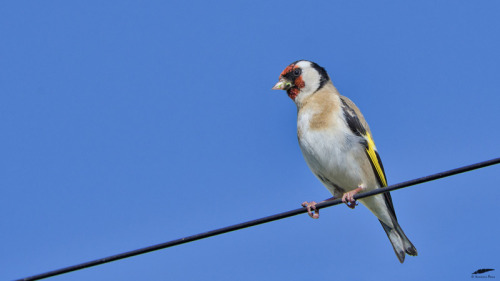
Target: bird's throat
[(293, 93)]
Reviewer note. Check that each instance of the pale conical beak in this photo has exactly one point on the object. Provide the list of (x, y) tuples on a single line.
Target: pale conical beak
[(282, 84)]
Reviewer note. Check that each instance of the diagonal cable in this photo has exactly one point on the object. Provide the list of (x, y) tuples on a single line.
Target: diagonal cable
[(257, 221)]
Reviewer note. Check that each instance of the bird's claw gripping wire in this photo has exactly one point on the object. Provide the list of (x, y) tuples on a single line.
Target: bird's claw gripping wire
[(312, 211), (348, 197)]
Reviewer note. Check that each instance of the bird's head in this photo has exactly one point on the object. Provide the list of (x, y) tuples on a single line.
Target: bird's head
[(302, 78)]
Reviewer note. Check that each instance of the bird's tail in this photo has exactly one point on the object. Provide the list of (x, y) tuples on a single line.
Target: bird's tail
[(399, 241)]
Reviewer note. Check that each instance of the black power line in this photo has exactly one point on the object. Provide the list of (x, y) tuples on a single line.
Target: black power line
[(258, 221)]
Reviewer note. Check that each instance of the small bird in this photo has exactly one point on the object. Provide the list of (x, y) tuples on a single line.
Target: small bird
[(338, 147)]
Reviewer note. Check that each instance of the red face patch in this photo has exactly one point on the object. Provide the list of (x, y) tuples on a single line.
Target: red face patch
[(293, 93), (299, 82), (288, 69), (290, 73)]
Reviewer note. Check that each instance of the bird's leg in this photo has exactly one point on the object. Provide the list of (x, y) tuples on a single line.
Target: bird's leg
[(312, 211), (348, 197)]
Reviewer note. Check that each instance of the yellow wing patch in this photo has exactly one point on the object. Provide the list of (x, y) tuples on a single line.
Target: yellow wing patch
[(372, 153)]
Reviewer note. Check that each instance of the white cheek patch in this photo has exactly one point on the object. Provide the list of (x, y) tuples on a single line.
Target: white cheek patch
[(311, 79), (310, 76)]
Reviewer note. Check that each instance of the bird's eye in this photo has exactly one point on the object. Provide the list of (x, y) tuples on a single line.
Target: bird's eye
[(297, 72)]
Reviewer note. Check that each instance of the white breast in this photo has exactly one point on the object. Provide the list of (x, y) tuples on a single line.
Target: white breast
[(332, 151)]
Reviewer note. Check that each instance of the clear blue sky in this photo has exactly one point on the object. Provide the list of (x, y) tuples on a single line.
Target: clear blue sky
[(130, 123)]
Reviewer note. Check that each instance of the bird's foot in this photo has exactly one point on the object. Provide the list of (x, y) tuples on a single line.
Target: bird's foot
[(312, 211), (348, 197)]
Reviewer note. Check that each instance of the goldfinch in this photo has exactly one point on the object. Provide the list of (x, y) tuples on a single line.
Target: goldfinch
[(338, 147)]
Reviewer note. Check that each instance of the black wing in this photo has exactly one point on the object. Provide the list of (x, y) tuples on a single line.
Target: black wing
[(358, 129)]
